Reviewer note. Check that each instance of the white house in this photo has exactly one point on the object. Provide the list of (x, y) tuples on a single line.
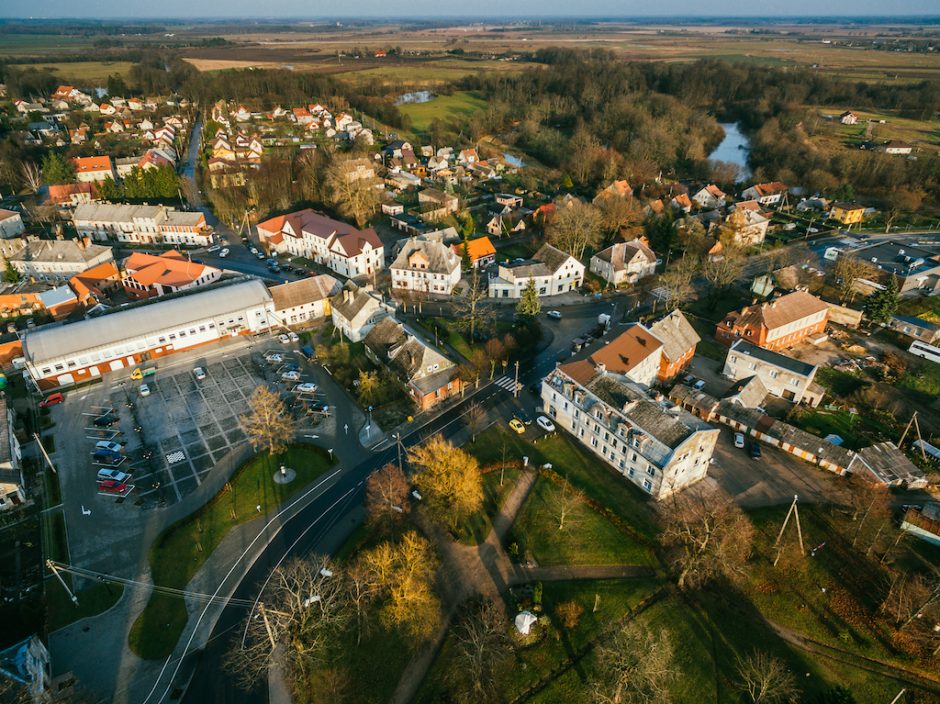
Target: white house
[(355, 310), (552, 270), (428, 266), (624, 262), (783, 376), (11, 224), (304, 301), (337, 245), (768, 195), (58, 259), (710, 197)]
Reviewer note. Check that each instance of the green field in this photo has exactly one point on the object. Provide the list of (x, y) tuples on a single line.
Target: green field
[(83, 71), (40, 44), (458, 106)]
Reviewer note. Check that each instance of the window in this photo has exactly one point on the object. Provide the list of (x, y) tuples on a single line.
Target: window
[(651, 470), (648, 485)]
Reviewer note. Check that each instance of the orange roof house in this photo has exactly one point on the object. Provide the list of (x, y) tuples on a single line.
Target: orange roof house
[(481, 251), (93, 168), (148, 275), (91, 286), (777, 324)]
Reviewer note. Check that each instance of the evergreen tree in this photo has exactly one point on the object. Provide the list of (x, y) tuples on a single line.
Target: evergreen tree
[(57, 169), (881, 305), (109, 190), (465, 261), (10, 275), (529, 305), (468, 225)]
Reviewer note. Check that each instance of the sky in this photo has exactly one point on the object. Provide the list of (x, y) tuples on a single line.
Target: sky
[(530, 9)]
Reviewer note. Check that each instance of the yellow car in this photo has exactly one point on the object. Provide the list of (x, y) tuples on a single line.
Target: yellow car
[(517, 426)]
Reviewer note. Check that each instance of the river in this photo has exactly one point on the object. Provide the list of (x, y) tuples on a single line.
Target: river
[(733, 149)]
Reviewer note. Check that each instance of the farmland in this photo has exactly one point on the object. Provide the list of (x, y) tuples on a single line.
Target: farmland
[(83, 72)]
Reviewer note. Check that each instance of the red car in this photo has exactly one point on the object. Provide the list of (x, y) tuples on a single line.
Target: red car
[(109, 486), (51, 400)]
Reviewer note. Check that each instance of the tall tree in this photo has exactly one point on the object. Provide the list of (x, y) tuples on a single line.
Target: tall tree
[(31, 175), (882, 304), (482, 647), (268, 424), (847, 270), (634, 666), (677, 280), (529, 305), (57, 169), (708, 538), (475, 418), (723, 270), (387, 495), (354, 194), (369, 387), (564, 501), (471, 311), (10, 274), (764, 679), (449, 478), (575, 228)]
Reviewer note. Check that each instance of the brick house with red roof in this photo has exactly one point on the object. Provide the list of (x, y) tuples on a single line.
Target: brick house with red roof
[(777, 324)]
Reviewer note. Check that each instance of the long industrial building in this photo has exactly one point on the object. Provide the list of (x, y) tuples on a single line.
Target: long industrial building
[(71, 353)]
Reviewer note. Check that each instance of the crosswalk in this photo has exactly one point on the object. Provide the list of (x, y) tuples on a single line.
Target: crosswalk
[(506, 382)]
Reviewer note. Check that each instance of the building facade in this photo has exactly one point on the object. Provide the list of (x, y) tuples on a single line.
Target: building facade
[(624, 262), (51, 260), (141, 224), (11, 224), (425, 266), (302, 302), (552, 271), (777, 324), (783, 376)]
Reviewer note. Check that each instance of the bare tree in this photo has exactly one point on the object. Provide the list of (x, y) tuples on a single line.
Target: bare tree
[(766, 680), (575, 228), (724, 269), (847, 270), (634, 666), (563, 501), (304, 606), (387, 495), (621, 217), (268, 425), (354, 194), (475, 418), (482, 646), (471, 311), (677, 280), (709, 538), (31, 174), (361, 591)]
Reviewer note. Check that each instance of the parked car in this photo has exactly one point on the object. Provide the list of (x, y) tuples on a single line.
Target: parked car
[(253, 250), (699, 385), (755, 451), (214, 248), (522, 417), (259, 255), (199, 373), (109, 446), (688, 380), (112, 487), (30, 323), (554, 314), (274, 357), (283, 339), (113, 475), (290, 376), (305, 388), (11, 327), (739, 440), (224, 253), (290, 367), (517, 426), (545, 424), (105, 421), (107, 457), (294, 337), (51, 400), (144, 390)]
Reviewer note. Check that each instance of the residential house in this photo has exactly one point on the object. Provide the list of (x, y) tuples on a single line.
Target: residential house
[(915, 328), (145, 224), (467, 156), (896, 146), (93, 168), (304, 301), (437, 205), (425, 266), (847, 213), (396, 147), (59, 302), (681, 203), (709, 197), (505, 221), (481, 251), (657, 446), (617, 189), (552, 271), (508, 200), (624, 262), (783, 376), (341, 247), (748, 225), (635, 353), (429, 376), (58, 259), (923, 522), (769, 195), (150, 275), (776, 324), (848, 117), (679, 341), (96, 283), (12, 486), (355, 310), (11, 224), (72, 194), (916, 266)]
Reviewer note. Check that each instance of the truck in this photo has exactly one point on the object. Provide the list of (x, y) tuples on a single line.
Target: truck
[(139, 373)]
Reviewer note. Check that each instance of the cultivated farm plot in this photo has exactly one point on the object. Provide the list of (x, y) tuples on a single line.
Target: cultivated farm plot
[(84, 71)]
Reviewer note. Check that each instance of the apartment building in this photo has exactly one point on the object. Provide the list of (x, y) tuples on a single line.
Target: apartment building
[(552, 270), (141, 224), (777, 324), (428, 266), (783, 376)]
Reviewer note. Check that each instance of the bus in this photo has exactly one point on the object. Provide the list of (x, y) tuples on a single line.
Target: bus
[(922, 349)]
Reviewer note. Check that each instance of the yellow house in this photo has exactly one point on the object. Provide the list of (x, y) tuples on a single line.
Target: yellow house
[(847, 213)]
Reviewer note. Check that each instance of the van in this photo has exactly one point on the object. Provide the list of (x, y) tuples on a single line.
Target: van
[(107, 457), (307, 352)]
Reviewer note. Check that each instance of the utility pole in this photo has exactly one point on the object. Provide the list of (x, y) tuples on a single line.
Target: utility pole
[(267, 625), (515, 386), (794, 511), (912, 421), (51, 565)]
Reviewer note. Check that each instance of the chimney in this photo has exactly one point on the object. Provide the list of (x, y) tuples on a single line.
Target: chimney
[(346, 293), (601, 368)]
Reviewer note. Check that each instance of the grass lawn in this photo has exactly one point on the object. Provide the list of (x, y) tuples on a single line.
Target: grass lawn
[(475, 529), (856, 431), (459, 106), (588, 538), (449, 332), (595, 478), (60, 611), (530, 665), (84, 71), (182, 548)]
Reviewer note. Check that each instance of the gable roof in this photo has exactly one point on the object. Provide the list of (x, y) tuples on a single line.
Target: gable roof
[(87, 283), (622, 252), (441, 258), (297, 293), (775, 358), (677, 335), (168, 269), (779, 312), (477, 248), (91, 164)]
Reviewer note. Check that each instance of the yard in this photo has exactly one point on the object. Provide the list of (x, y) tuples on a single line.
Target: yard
[(496, 487), (182, 549)]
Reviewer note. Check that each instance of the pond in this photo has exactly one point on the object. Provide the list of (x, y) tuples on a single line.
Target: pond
[(734, 149), (418, 96)]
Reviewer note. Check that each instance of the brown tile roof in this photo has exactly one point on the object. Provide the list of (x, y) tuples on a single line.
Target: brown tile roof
[(677, 335), (779, 312), (297, 293), (627, 350)]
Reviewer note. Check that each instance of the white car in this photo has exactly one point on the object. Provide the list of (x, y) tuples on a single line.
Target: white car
[(108, 446), (199, 373), (253, 250), (144, 390), (305, 388), (739, 440), (291, 376), (214, 248), (224, 253), (283, 339), (274, 358), (545, 424), (113, 475), (294, 337), (260, 255), (554, 314)]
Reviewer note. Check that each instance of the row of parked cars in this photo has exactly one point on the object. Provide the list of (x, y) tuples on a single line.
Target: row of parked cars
[(108, 456)]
